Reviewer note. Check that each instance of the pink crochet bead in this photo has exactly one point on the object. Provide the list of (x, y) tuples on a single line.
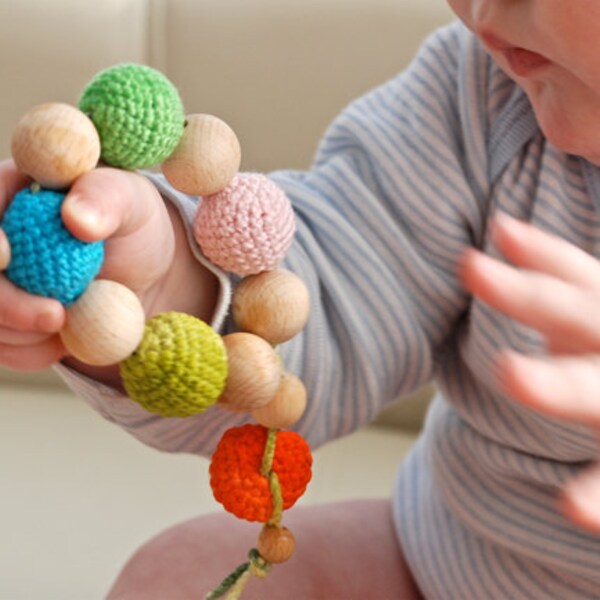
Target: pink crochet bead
[(247, 227)]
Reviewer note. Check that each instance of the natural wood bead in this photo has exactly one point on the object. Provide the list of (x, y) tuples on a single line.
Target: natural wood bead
[(274, 305), (254, 372), (206, 159), (54, 144), (276, 544), (105, 325), (287, 406)]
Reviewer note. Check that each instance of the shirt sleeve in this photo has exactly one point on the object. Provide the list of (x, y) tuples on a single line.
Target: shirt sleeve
[(397, 191)]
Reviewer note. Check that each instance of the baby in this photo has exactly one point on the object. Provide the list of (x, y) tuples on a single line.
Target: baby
[(449, 230)]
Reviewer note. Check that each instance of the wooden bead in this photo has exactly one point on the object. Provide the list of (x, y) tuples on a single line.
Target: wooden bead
[(54, 144), (105, 325), (207, 158), (287, 406), (254, 372), (274, 305), (276, 544)]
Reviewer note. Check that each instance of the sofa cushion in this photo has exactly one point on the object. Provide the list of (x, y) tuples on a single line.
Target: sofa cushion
[(279, 72)]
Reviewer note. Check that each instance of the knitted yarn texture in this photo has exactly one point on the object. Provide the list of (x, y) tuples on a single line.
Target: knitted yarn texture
[(46, 259), (235, 471), (180, 367), (138, 114), (247, 227)]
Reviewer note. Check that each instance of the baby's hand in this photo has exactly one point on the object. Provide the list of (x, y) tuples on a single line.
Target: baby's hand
[(554, 288), (143, 237), (28, 324)]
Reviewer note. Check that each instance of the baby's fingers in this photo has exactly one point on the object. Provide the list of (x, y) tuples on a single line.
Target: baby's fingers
[(11, 181), (563, 387), (555, 308), (109, 202), (25, 312), (531, 248), (127, 211), (4, 251), (581, 500), (13, 337), (32, 358)]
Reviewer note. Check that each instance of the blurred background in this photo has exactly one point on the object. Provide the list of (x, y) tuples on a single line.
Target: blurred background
[(78, 495)]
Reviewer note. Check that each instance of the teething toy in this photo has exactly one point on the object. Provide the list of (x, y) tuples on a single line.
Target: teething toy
[(178, 369), (45, 258), (54, 144), (206, 159), (175, 365), (247, 227), (138, 114), (272, 304), (238, 462), (99, 338)]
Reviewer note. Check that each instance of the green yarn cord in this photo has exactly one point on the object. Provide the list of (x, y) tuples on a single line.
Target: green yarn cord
[(274, 486), (228, 582), (138, 114), (235, 582), (277, 496), (238, 588), (269, 453)]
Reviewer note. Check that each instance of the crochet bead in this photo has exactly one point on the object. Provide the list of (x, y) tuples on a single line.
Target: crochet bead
[(138, 114), (206, 159), (54, 144), (246, 228), (235, 476), (254, 372), (276, 544), (274, 305), (286, 407), (179, 368), (45, 258), (105, 325)]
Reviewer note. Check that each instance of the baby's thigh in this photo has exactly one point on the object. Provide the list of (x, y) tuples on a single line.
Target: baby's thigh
[(344, 551)]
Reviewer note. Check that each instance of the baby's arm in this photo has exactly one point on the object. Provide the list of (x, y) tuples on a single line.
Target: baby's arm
[(146, 250), (554, 288), (376, 244)]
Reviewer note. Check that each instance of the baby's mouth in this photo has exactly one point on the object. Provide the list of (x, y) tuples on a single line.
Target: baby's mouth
[(521, 62), (524, 63)]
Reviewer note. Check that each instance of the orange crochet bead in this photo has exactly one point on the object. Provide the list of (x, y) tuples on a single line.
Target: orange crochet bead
[(235, 471)]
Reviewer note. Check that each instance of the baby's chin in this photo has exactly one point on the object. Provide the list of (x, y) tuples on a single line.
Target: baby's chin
[(570, 143), (569, 120), (570, 136)]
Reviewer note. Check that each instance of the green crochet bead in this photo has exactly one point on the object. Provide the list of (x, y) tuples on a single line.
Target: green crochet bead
[(138, 114), (180, 367)]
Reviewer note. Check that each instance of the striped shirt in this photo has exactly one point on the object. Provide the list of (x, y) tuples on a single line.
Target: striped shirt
[(406, 178)]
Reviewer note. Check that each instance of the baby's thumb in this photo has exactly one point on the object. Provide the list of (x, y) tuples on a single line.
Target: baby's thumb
[(107, 202)]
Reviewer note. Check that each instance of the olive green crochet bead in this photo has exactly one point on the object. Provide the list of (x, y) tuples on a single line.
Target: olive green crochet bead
[(180, 367), (138, 114)]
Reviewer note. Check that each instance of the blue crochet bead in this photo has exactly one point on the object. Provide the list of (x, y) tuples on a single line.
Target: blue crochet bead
[(45, 258)]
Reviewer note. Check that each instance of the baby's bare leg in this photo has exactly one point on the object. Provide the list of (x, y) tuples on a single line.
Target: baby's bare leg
[(345, 551)]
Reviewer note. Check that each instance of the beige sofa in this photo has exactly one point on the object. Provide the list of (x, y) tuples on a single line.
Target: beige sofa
[(278, 71)]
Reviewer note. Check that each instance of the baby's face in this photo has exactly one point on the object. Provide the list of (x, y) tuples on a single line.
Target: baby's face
[(552, 49)]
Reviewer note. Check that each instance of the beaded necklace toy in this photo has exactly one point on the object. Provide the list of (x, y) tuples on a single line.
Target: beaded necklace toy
[(175, 365)]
